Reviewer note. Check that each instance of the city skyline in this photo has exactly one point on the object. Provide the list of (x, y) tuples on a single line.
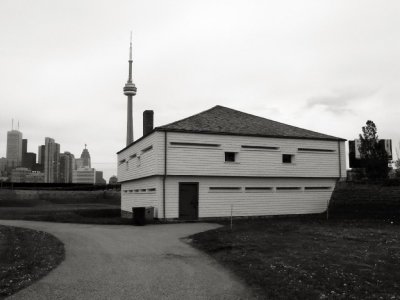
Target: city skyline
[(326, 66), (48, 165)]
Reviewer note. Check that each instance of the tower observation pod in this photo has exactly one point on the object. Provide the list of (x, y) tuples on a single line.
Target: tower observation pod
[(129, 91)]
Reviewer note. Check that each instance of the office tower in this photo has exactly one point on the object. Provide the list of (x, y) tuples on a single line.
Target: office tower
[(84, 175), (14, 148), (85, 157), (24, 146), (41, 151), (3, 166), (28, 158), (67, 165), (51, 161), (99, 178)]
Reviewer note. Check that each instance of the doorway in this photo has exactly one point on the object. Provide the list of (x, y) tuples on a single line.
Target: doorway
[(188, 200)]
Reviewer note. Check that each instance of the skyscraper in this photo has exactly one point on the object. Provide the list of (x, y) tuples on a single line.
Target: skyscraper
[(67, 165), (41, 151), (130, 91), (14, 148), (28, 158), (85, 156), (51, 161)]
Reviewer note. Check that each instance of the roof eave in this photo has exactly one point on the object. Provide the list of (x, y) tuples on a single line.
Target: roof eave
[(255, 135), (134, 142)]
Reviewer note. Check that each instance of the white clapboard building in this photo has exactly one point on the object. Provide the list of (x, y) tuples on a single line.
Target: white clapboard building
[(224, 161)]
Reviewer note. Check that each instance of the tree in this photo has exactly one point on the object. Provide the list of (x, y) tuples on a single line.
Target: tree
[(373, 156), (397, 162)]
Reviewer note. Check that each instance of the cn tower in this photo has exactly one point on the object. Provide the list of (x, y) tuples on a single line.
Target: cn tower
[(130, 91)]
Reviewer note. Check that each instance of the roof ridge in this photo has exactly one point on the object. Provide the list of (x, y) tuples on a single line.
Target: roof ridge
[(242, 112), (226, 120)]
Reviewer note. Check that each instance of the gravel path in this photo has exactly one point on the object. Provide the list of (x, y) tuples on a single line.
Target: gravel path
[(128, 262)]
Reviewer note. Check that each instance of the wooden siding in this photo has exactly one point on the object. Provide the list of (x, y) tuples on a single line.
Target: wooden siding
[(252, 203), (253, 162), (150, 161), (210, 161), (130, 198)]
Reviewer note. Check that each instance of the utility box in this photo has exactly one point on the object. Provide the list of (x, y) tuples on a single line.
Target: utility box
[(143, 215), (139, 215), (149, 214)]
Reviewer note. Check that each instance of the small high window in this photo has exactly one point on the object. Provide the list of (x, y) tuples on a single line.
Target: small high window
[(147, 149), (230, 156), (287, 158)]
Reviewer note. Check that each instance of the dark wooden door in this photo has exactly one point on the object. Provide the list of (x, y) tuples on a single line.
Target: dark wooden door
[(188, 200)]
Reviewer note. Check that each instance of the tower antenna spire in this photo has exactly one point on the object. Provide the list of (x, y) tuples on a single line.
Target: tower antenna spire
[(130, 49)]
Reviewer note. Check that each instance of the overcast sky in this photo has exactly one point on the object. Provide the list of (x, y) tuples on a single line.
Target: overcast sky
[(327, 66)]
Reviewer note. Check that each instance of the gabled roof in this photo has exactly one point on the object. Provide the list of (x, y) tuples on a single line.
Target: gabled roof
[(224, 120)]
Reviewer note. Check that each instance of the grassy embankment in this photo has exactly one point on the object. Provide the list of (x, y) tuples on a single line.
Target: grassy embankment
[(26, 256), (95, 207)]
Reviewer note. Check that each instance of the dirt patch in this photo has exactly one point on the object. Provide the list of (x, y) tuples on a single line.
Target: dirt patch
[(25, 256), (310, 258)]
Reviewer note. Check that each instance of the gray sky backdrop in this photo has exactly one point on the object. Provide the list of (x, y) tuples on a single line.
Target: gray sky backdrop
[(327, 66)]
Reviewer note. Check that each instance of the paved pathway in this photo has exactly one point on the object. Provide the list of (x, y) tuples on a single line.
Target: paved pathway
[(128, 262)]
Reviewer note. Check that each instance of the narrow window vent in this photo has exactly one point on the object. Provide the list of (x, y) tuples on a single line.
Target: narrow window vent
[(258, 188), (151, 190), (288, 188), (122, 161), (259, 147), (225, 188), (147, 149), (317, 188), (315, 150), (133, 156), (193, 144)]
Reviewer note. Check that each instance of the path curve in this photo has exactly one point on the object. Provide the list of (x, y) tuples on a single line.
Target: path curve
[(128, 262)]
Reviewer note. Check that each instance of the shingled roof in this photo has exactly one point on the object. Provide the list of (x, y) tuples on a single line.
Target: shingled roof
[(224, 120)]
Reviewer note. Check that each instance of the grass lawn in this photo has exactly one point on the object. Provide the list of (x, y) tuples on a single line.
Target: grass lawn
[(84, 214), (309, 257), (67, 211), (97, 207), (25, 256)]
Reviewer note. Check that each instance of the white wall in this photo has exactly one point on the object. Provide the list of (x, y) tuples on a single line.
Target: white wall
[(322, 167), (251, 203), (132, 194), (192, 160), (189, 160), (144, 164)]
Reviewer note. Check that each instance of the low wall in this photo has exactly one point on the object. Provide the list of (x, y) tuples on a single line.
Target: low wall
[(365, 198), (60, 197)]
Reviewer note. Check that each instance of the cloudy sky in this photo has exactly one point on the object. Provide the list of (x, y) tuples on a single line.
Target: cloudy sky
[(327, 66)]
